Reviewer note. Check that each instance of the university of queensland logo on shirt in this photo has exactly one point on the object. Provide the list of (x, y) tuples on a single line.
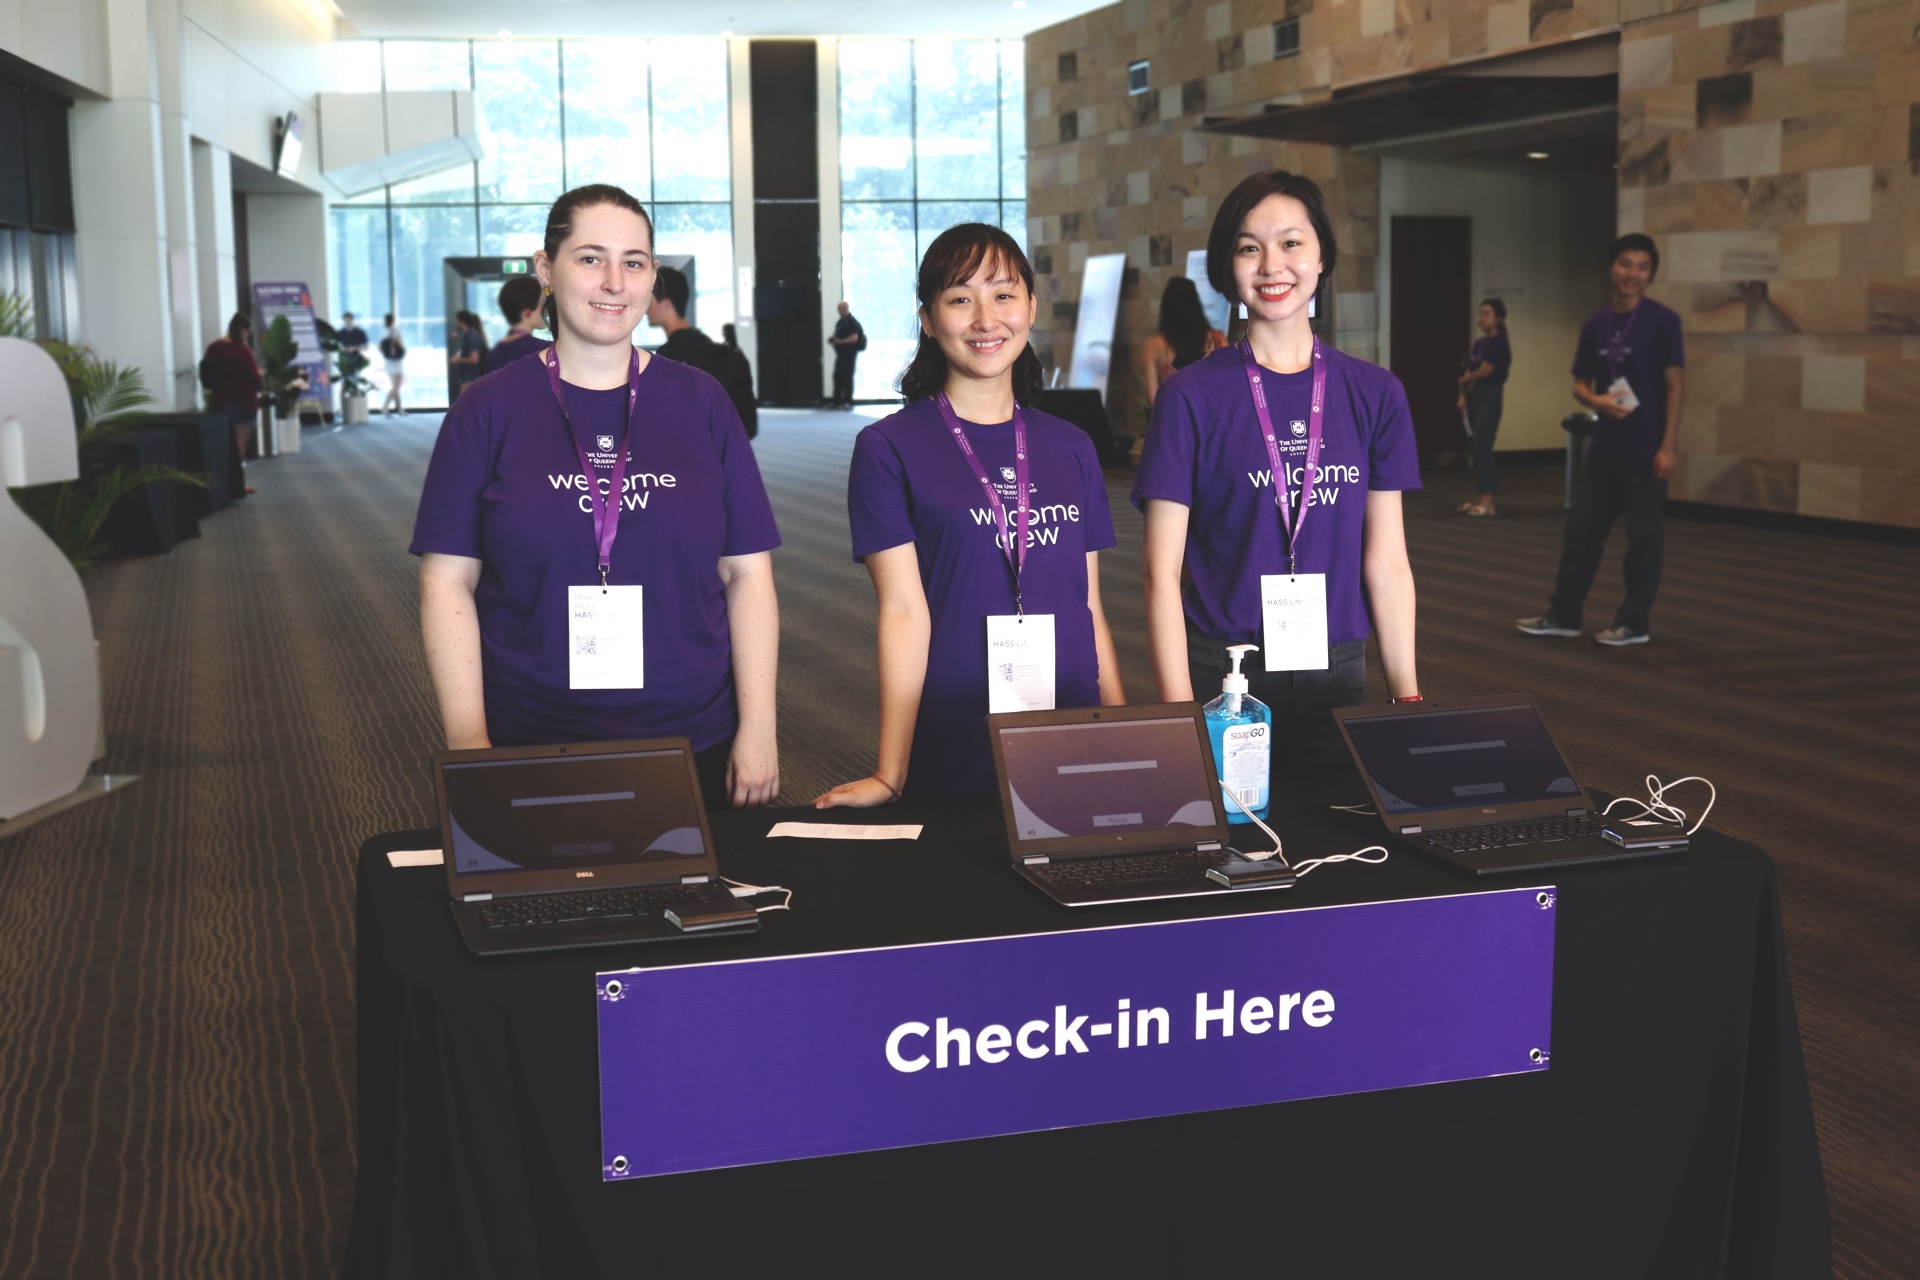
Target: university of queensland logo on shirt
[(605, 442), (1007, 473), (1299, 428)]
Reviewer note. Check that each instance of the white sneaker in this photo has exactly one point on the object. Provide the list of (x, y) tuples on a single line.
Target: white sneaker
[(1543, 626), (1614, 637)]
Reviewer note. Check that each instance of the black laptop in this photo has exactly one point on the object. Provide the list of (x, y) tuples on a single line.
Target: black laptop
[(1481, 785), (583, 845), (1114, 804)]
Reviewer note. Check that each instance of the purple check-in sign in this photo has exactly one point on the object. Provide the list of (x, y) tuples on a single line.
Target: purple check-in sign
[(709, 1066)]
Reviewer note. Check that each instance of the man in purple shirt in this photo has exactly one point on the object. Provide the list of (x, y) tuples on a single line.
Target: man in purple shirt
[(1630, 369)]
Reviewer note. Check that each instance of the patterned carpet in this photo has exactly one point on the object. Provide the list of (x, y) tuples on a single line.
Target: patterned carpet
[(176, 962)]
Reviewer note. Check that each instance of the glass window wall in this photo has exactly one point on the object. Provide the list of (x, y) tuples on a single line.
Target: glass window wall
[(932, 133), (649, 116)]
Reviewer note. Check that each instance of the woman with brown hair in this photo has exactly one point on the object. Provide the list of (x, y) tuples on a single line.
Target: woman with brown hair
[(979, 519)]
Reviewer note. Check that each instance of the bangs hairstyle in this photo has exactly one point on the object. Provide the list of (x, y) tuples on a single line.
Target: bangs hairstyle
[(1241, 201), (560, 226), (1636, 242), (952, 259), (1499, 309)]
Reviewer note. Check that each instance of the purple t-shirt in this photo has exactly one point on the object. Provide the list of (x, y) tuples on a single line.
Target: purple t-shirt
[(505, 488), (1204, 450), (514, 347), (910, 483), (1494, 349), (1641, 346)]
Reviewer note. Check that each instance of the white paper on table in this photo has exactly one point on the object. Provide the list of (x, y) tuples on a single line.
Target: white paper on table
[(845, 831), (1019, 662), (415, 858), (605, 638), (1293, 616)]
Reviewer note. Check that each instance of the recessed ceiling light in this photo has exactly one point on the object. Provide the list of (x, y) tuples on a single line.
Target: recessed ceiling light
[(503, 32), (1536, 155)]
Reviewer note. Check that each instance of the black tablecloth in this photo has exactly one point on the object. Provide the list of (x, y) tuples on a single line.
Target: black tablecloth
[(203, 443), (1671, 1137), (157, 515)]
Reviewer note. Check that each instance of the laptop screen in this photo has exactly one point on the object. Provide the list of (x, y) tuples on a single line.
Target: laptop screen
[(1452, 759), (1106, 778), (556, 813)]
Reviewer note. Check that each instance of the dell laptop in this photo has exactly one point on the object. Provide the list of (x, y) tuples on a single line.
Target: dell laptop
[(1481, 785), (583, 845), (1115, 804)]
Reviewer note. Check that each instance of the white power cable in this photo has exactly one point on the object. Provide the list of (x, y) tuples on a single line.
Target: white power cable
[(1302, 868), (1656, 805), (741, 890)]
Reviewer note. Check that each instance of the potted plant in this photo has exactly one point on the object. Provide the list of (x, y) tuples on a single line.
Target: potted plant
[(349, 368), (282, 383)]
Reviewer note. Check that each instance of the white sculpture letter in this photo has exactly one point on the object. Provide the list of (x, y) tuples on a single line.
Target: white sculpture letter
[(49, 680)]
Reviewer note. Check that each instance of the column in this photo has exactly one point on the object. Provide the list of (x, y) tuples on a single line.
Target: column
[(829, 135), (219, 289), (740, 123)]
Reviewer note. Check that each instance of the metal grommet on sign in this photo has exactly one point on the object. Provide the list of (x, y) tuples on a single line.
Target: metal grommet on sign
[(1544, 898), (1536, 1056), (620, 1162), (613, 988)]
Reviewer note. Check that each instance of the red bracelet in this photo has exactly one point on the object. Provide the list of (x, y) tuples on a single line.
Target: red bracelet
[(1412, 697), (891, 789)]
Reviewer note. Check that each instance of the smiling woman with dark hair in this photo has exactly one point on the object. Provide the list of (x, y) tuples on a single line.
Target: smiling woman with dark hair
[(1271, 487), (977, 517)]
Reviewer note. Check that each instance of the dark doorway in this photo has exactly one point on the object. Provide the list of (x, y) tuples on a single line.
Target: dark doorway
[(786, 219), (1432, 281)]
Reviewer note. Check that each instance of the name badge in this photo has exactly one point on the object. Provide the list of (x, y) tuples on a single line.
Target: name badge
[(1019, 662), (1293, 615), (1623, 395), (605, 639)]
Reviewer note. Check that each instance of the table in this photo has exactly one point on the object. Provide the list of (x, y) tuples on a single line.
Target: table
[(1672, 1136)]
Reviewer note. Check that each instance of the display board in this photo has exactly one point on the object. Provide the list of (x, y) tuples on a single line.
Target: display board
[(1099, 312), (293, 300)]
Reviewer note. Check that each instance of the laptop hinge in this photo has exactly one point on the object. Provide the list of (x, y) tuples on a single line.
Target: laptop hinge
[(1209, 846), (1409, 831), (476, 897), (694, 879), (1035, 860)]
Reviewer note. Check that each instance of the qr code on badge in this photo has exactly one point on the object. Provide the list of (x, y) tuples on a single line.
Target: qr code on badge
[(587, 646)]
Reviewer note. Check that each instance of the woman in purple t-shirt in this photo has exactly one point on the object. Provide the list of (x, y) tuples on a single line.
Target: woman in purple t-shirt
[(1211, 477), (594, 536), (1482, 388), (931, 495)]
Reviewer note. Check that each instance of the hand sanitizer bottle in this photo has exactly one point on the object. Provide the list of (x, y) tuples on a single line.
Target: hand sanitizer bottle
[(1241, 727)]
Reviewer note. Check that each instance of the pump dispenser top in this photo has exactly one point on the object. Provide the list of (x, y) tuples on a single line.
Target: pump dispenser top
[(1235, 684)]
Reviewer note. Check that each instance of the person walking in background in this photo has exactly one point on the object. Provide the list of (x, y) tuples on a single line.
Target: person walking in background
[(232, 378), (520, 307), (848, 341), (1482, 388), (393, 350), (352, 336), (1183, 337), (469, 355), (726, 364), (729, 337), (1630, 369)]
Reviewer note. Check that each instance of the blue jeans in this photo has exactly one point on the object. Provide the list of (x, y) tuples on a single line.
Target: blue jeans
[(1483, 417)]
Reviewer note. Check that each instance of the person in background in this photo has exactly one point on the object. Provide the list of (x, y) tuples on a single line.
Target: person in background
[(1183, 337), (937, 512), (469, 356), (520, 306), (1630, 369), (848, 341), (232, 379), (729, 337), (1304, 512), (393, 350), (595, 472), (352, 336), (725, 364), (1482, 388)]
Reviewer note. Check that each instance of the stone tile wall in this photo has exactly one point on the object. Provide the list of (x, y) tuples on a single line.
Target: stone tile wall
[(1771, 147)]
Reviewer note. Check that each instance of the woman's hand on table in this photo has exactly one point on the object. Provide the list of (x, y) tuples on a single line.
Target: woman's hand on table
[(867, 793)]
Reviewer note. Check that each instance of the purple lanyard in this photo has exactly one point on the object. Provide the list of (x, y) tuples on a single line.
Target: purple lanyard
[(1290, 520), (1616, 349), (1015, 548), (606, 506)]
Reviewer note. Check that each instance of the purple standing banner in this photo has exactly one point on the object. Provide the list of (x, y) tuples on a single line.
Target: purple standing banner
[(817, 1055)]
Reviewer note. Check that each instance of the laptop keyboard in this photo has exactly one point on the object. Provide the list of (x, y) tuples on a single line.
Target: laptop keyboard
[(1146, 866), (597, 904), (1500, 835)]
